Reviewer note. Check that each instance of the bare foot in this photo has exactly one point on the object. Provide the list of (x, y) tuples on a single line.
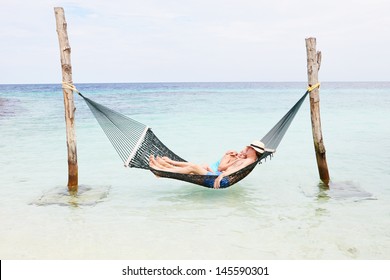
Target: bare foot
[(152, 161), (152, 164), (163, 162), (155, 163)]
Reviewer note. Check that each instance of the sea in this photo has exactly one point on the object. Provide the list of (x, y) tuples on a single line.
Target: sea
[(280, 211)]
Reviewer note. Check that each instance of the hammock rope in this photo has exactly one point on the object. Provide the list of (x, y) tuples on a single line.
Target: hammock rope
[(135, 142)]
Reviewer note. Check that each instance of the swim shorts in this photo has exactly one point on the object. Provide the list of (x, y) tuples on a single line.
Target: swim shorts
[(209, 180)]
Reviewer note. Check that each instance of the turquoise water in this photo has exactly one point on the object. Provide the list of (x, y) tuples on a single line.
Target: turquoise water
[(280, 211)]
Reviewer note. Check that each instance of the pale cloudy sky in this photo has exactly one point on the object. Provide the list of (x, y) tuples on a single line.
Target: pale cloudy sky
[(195, 40)]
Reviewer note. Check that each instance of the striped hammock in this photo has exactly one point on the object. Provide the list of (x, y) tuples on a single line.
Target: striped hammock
[(136, 142)]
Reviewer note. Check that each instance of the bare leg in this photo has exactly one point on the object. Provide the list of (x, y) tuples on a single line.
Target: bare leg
[(207, 167), (163, 162), (190, 168), (175, 163), (155, 164)]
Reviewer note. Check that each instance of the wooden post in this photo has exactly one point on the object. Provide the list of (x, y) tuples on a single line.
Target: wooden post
[(313, 66), (70, 109)]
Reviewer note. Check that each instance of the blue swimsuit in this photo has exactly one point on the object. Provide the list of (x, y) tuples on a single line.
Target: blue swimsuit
[(214, 167), (209, 181)]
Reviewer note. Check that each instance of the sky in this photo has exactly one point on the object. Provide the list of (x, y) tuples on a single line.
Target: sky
[(195, 40)]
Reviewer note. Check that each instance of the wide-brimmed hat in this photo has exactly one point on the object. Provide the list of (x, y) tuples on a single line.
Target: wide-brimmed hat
[(258, 146)]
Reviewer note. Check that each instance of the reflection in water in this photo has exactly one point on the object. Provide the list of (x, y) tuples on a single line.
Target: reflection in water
[(189, 194), (323, 192), (187, 197)]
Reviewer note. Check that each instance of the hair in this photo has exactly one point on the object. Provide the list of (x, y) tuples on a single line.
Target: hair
[(258, 154)]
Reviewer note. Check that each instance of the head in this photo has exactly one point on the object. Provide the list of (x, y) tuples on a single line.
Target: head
[(256, 148)]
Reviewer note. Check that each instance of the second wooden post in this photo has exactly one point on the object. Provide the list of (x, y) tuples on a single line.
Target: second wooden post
[(313, 66)]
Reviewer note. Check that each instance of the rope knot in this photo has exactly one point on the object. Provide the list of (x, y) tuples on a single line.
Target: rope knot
[(311, 88), (70, 86)]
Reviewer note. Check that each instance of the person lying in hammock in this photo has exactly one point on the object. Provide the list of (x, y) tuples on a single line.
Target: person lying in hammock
[(230, 163)]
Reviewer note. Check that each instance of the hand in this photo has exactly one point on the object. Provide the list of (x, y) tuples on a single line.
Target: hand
[(207, 167), (217, 181), (231, 153)]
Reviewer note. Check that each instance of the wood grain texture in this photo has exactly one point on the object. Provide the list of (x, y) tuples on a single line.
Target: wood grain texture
[(66, 67), (313, 66)]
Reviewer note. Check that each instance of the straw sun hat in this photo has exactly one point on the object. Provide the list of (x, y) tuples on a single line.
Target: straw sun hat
[(258, 146)]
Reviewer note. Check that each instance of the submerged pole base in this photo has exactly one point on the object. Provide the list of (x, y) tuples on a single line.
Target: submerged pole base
[(73, 182)]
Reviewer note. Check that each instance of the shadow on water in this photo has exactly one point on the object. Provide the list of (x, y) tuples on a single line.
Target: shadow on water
[(342, 190), (86, 196), (199, 197)]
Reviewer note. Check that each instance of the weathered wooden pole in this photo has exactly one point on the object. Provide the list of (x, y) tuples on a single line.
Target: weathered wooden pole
[(70, 109), (313, 66)]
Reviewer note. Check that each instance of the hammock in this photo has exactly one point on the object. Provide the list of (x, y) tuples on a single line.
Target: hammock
[(136, 142)]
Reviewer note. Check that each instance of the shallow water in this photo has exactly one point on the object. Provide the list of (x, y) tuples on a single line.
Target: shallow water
[(280, 211)]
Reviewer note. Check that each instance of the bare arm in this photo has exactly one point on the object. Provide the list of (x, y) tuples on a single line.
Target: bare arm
[(228, 159), (239, 164), (230, 170)]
